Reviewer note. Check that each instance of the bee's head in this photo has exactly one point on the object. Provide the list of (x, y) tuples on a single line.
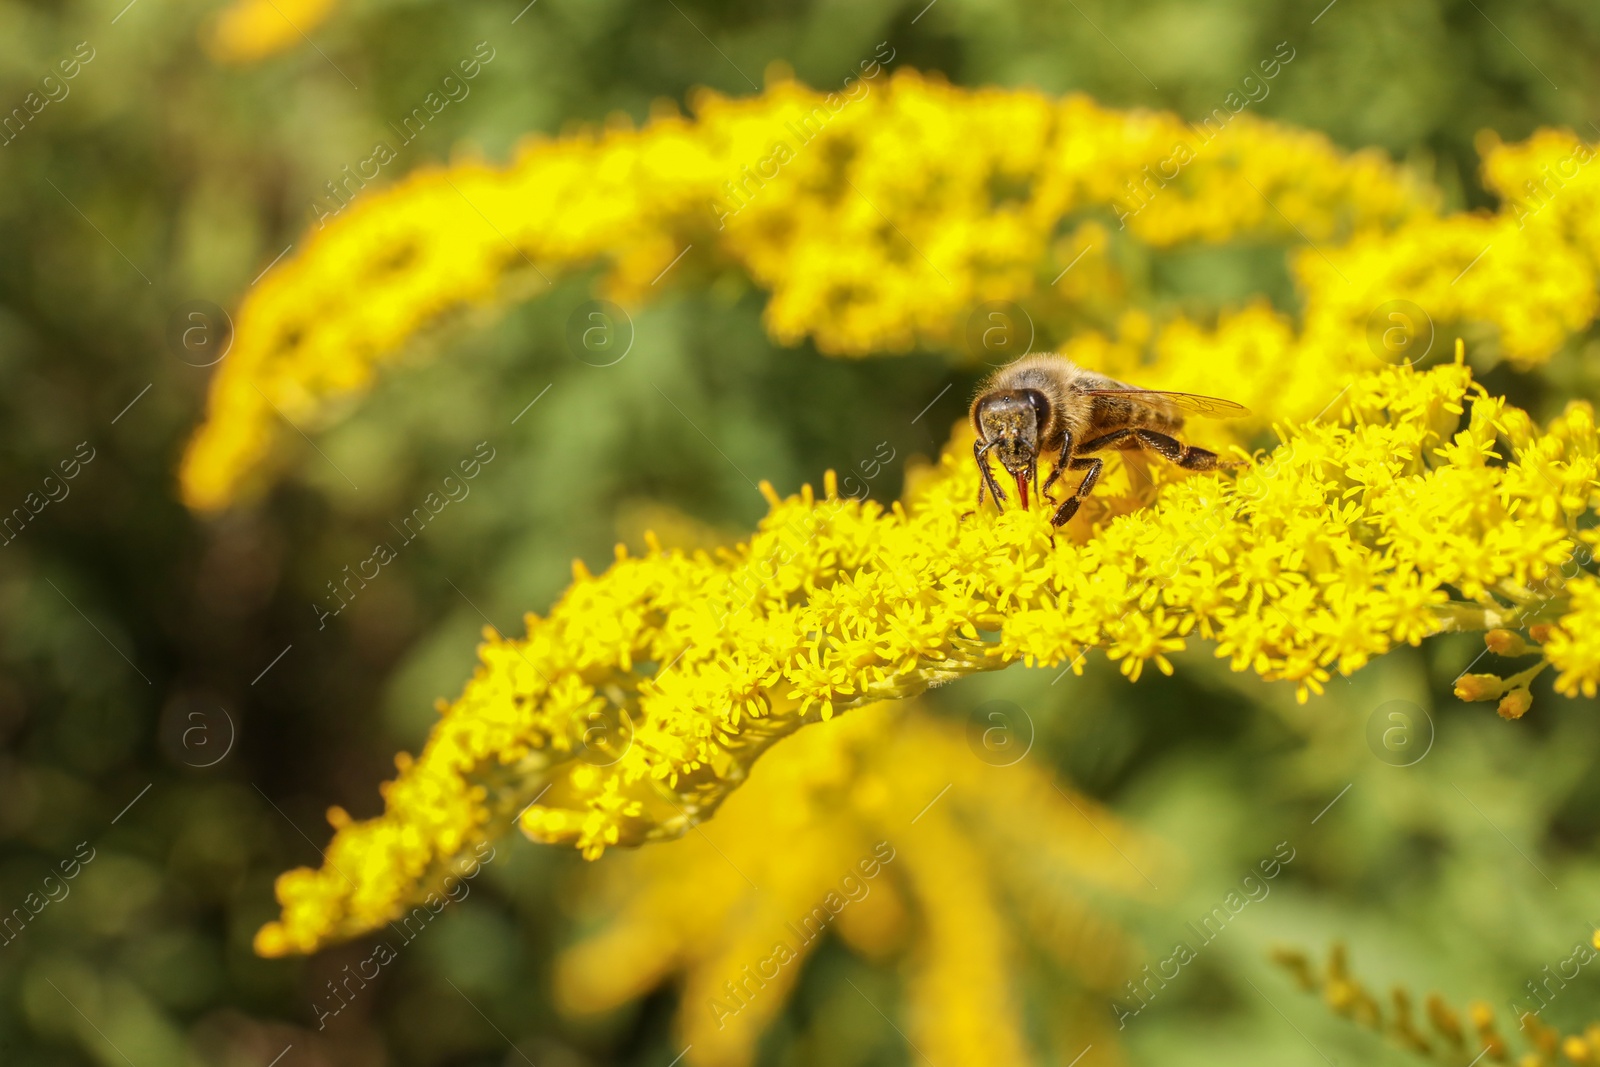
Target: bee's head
[(1012, 422)]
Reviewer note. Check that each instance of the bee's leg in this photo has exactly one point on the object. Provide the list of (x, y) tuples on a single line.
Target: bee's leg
[(1061, 464), (1106, 440), (980, 451), (1069, 506), (1188, 457)]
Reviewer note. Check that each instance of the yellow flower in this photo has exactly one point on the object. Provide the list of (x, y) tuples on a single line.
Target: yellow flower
[(898, 841), (879, 223), (1377, 526), (883, 222), (1574, 643), (247, 31)]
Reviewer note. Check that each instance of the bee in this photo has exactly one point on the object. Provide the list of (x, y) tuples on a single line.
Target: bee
[(1048, 405)]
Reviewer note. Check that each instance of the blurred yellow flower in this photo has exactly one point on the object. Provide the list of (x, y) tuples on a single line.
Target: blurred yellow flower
[(886, 217), (1422, 504), (894, 213), (885, 830), (247, 31)]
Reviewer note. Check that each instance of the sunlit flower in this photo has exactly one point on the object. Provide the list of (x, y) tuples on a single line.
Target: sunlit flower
[(879, 221), (886, 831), (1418, 504), (247, 31), (884, 221)]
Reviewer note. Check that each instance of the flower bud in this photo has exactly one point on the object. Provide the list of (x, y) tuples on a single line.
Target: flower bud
[(1515, 704), (1480, 686), (1505, 643)]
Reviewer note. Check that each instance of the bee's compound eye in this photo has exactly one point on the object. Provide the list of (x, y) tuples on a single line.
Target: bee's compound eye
[(1040, 405), (989, 412)]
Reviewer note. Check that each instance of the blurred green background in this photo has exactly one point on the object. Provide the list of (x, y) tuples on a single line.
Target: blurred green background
[(172, 663)]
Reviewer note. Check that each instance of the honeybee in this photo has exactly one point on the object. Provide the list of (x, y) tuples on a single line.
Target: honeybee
[(1048, 405)]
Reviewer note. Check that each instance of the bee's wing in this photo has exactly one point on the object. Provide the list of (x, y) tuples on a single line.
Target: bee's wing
[(1207, 406)]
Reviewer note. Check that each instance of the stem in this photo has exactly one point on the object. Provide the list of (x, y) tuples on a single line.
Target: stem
[(1523, 679), (1466, 616)]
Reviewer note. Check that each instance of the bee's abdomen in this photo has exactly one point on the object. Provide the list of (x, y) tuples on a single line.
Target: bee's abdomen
[(1116, 413)]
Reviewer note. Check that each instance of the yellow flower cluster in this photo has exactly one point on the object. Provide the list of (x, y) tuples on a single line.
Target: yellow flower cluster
[(877, 221), (1573, 641), (1442, 1033), (1528, 274), (248, 31), (630, 712), (901, 844)]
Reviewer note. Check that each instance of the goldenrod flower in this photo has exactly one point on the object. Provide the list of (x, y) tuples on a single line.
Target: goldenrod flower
[(646, 695), (878, 222), (896, 840), (1573, 644), (885, 221), (247, 31)]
